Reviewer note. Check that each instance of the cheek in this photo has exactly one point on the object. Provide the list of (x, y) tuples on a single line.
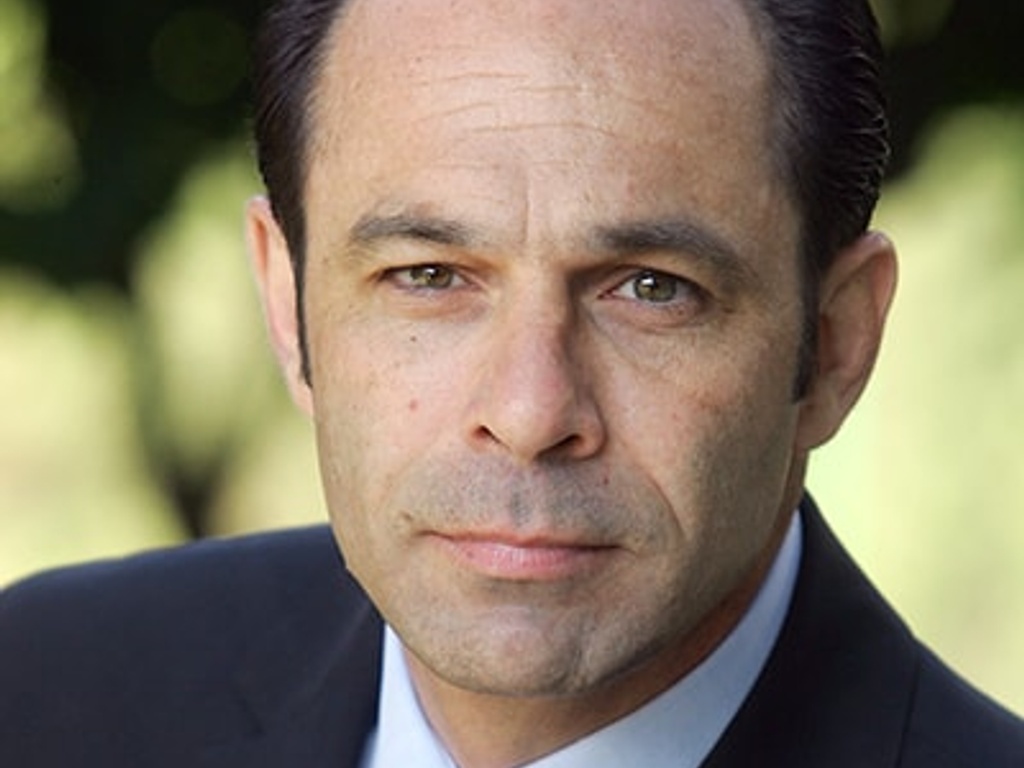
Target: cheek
[(382, 397), (709, 424)]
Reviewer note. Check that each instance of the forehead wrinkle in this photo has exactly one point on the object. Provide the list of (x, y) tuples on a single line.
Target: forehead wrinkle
[(504, 95), (579, 125), (459, 77)]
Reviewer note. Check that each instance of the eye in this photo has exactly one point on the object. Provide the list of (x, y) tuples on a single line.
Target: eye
[(653, 287), (429, 277)]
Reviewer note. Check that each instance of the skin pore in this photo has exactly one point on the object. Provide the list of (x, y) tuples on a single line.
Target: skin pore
[(554, 316)]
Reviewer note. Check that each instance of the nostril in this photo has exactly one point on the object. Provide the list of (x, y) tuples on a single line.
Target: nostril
[(568, 445), (485, 435)]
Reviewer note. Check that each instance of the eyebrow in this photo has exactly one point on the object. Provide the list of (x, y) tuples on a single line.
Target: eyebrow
[(674, 235), (373, 228)]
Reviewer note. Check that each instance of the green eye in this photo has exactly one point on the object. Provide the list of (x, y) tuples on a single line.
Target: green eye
[(655, 287), (433, 276)]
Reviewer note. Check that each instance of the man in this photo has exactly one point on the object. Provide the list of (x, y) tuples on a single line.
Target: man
[(570, 291)]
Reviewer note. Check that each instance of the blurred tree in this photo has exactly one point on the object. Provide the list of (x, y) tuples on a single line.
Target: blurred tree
[(945, 54), (145, 91)]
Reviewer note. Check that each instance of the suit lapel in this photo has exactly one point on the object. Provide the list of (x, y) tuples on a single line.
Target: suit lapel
[(837, 688), (310, 684)]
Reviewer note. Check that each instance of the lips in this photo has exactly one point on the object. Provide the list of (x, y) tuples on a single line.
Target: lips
[(510, 558)]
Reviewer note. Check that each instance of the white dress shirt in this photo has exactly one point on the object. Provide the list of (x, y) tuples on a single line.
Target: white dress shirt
[(677, 729)]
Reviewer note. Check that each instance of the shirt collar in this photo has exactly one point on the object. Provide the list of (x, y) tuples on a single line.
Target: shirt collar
[(679, 728)]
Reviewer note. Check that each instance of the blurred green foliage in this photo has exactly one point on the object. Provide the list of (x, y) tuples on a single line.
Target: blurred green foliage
[(139, 406), (926, 482)]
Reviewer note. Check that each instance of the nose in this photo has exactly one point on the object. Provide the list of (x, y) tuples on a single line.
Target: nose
[(534, 398)]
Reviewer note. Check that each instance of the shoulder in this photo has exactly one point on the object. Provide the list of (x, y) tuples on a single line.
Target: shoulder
[(157, 637), (953, 725), (214, 578), (849, 685)]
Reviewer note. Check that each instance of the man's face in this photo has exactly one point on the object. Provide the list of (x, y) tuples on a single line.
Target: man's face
[(553, 309)]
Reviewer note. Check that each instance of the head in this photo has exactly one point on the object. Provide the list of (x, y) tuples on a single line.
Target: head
[(555, 260)]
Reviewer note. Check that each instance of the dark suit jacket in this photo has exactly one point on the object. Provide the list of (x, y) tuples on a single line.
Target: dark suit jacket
[(262, 652)]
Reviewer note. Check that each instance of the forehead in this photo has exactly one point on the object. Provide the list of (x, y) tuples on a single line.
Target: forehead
[(396, 33), (384, 54), (641, 96)]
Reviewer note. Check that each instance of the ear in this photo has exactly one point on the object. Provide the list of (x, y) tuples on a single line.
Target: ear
[(854, 300), (275, 278)]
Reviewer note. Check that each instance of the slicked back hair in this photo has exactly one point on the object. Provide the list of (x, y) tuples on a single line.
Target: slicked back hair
[(829, 132), (287, 62)]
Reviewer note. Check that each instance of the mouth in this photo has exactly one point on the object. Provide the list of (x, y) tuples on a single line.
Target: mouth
[(509, 558)]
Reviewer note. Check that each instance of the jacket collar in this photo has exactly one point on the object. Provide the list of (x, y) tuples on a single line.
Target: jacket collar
[(310, 682), (837, 689)]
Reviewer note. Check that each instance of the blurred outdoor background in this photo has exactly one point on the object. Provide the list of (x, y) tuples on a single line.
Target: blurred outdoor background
[(139, 406)]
